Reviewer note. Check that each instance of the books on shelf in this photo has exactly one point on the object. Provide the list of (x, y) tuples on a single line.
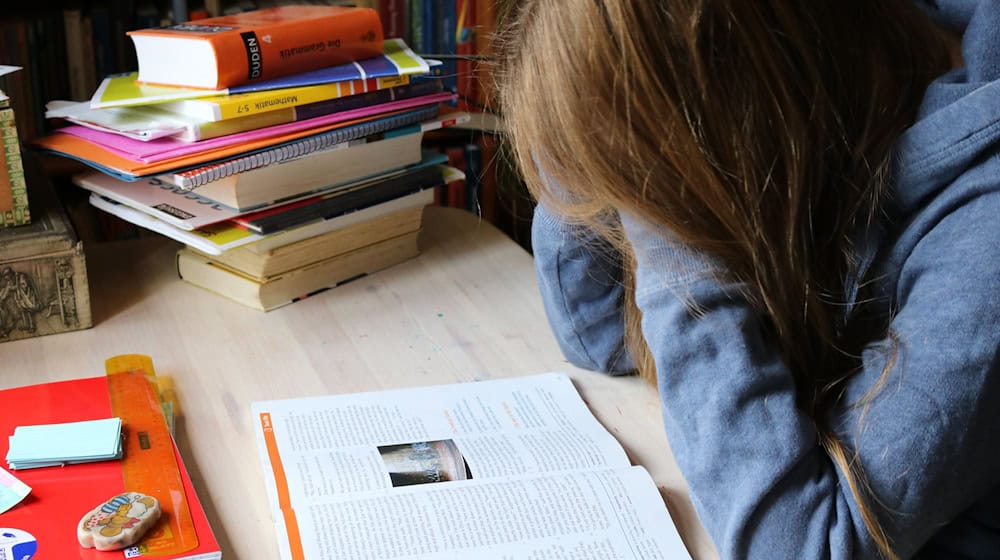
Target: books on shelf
[(504, 468), (299, 283), (61, 495), (219, 52)]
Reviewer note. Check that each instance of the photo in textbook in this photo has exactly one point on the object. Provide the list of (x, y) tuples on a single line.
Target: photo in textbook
[(424, 462)]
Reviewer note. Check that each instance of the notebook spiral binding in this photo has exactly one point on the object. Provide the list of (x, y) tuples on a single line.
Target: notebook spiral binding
[(332, 139)]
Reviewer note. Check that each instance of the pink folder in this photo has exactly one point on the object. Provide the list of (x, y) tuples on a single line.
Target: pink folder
[(169, 148)]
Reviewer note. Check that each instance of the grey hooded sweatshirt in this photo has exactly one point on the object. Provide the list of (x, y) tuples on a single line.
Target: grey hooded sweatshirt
[(930, 443)]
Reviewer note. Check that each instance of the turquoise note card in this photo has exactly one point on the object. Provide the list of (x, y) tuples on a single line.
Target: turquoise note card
[(65, 444)]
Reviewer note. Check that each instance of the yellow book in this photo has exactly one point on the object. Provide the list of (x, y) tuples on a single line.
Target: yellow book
[(224, 107)]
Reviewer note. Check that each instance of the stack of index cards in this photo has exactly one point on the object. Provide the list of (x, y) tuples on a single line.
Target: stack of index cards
[(50, 445)]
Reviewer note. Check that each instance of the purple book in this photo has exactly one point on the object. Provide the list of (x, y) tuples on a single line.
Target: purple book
[(397, 60)]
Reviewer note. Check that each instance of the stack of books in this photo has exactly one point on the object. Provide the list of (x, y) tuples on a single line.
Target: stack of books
[(283, 147)]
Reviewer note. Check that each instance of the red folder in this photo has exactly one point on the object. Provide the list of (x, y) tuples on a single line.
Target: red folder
[(61, 496)]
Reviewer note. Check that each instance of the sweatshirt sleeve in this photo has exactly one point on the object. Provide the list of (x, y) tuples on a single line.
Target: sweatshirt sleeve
[(580, 278), (761, 483)]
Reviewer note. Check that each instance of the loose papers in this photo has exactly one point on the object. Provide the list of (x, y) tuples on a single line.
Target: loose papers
[(12, 491)]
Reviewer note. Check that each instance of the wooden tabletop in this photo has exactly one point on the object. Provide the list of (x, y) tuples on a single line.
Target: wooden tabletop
[(466, 309)]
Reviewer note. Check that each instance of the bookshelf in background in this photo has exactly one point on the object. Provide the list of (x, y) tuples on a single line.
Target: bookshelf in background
[(63, 47), (460, 33)]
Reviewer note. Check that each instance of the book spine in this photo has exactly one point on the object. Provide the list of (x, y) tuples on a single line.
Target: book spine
[(239, 106), (416, 25), (86, 47), (485, 14), (393, 18), (213, 7), (465, 48), (448, 43), (104, 53), (429, 22), (197, 177), (371, 98), (456, 188), (33, 72), (73, 29)]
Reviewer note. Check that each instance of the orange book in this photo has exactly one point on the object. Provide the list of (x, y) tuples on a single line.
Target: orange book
[(220, 52)]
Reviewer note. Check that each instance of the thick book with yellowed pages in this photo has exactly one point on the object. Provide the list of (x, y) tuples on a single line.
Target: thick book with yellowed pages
[(219, 52), (297, 284)]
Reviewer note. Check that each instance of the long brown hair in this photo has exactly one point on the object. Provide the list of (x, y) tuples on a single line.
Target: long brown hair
[(759, 132)]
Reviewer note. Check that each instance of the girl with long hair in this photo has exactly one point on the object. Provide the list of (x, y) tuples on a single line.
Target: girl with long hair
[(787, 216)]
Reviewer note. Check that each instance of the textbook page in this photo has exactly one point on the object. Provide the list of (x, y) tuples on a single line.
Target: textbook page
[(338, 444), (582, 515), (421, 451)]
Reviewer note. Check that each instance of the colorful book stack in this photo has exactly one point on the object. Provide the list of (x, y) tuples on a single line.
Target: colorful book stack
[(283, 147)]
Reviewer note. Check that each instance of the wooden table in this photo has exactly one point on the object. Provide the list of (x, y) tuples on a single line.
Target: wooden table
[(467, 309)]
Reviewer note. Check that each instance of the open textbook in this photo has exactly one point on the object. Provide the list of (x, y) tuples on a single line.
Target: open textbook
[(500, 469)]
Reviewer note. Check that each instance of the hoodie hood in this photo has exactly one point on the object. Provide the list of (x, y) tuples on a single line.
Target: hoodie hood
[(959, 118), (958, 122)]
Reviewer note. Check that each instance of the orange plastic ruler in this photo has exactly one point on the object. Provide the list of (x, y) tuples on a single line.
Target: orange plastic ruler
[(149, 465)]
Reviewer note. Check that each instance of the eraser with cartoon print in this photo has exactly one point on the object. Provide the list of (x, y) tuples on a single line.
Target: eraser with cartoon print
[(119, 522)]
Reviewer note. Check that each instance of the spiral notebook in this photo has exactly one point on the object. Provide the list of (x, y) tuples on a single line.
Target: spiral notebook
[(334, 139)]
